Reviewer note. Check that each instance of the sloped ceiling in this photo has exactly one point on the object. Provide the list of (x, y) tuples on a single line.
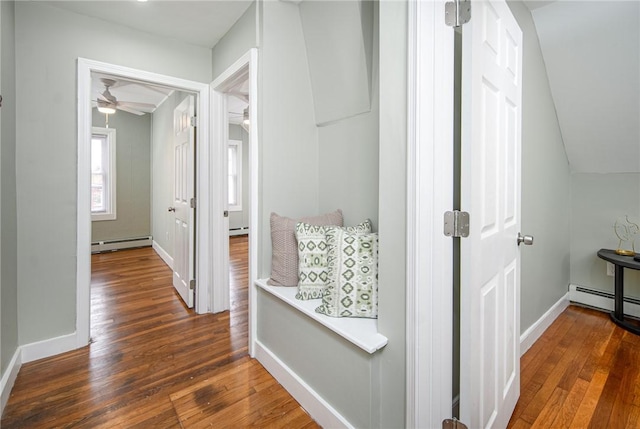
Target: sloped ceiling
[(592, 54)]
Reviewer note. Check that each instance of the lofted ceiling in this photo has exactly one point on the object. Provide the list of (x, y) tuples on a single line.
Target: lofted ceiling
[(592, 54), (201, 23)]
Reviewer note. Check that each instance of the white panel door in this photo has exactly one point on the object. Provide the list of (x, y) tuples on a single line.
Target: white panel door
[(183, 191), (490, 192)]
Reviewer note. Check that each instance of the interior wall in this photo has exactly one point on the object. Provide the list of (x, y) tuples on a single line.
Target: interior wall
[(8, 214), (49, 41), (598, 200), (289, 137), (162, 172), (349, 148), (240, 219), (392, 212), (546, 185), (238, 40), (133, 177)]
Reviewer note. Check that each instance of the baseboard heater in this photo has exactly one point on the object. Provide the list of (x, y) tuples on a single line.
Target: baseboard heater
[(118, 244), (602, 300), (239, 231)]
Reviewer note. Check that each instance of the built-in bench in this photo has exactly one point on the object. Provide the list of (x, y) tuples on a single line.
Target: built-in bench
[(359, 331)]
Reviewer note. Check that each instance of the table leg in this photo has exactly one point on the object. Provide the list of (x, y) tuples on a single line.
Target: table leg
[(619, 293)]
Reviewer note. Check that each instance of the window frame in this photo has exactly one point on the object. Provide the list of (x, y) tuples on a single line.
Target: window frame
[(238, 206), (110, 137)]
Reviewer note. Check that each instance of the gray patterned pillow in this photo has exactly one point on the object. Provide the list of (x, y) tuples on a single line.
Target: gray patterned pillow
[(352, 265), (312, 257), (284, 253)]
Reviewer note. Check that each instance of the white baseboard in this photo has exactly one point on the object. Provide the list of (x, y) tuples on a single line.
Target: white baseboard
[(163, 254), (536, 330), (239, 231), (50, 347), (323, 413), (8, 378), (602, 300)]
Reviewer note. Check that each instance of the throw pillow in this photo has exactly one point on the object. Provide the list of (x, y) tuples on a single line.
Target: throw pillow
[(352, 265), (312, 257), (284, 252)]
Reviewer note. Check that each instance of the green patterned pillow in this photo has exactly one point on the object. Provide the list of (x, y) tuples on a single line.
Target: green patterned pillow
[(352, 271), (312, 258)]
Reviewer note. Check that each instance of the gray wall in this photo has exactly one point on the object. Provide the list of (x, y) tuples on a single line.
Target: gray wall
[(133, 177), (8, 217), (48, 42), (349, 149), (597, 201), (238, 40), (309, 170), (289, 137), (546, 185), (162, 171), (392, 211), (240, 219)]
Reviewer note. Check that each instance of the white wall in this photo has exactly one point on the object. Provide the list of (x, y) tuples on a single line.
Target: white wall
[(133, 177), (546, 185), (48, 42)]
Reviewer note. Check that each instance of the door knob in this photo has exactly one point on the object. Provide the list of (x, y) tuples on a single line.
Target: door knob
[(171, 209), (525, 239)]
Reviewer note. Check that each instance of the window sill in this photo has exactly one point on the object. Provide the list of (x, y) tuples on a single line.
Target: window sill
[(361, 332), (102, 216)]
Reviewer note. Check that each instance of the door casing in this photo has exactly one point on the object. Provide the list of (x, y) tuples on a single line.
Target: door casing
[(206, 194)]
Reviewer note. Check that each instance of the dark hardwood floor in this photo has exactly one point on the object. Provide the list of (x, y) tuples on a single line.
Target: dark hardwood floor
[(153, 363), (584, 372)]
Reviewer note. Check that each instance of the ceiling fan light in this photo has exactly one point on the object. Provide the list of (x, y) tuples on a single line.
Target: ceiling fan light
[(108, 110), (245, 116)]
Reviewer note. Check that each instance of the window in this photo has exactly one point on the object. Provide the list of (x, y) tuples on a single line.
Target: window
[(103, 174), (235, 175)]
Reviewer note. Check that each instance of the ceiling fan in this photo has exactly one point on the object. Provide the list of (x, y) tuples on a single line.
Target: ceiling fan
[(108, 103)]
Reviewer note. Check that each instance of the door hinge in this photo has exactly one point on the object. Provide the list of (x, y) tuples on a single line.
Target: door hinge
[(192, 203), (226, 213), (194, 121), (456, 224), (457, 12), (192, 284)]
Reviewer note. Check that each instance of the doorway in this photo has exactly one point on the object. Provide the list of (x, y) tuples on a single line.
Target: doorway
[(240, 80), (207, 199), (142, 149)]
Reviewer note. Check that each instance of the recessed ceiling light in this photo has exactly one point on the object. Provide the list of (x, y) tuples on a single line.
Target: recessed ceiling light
[(142, 1)]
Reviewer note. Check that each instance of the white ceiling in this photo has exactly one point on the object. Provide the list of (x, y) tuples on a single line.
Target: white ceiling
[(201, 23), (130, 91), (592, 53)]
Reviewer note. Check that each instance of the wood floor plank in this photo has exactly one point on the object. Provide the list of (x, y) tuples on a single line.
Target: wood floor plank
[(584, 372), (152, 359)]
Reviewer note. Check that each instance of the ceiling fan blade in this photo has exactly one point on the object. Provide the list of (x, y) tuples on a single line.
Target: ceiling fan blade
[(136, 104), (102, 97), (130, 110)]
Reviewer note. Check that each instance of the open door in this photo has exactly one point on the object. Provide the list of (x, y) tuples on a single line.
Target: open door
[(490, 192), (183, 195)]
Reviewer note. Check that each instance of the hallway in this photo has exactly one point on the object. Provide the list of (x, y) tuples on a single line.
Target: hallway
[(153, 363)]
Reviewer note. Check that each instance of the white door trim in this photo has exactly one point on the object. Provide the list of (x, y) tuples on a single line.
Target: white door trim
[(430, 193), (248, 63), (203, 238)]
